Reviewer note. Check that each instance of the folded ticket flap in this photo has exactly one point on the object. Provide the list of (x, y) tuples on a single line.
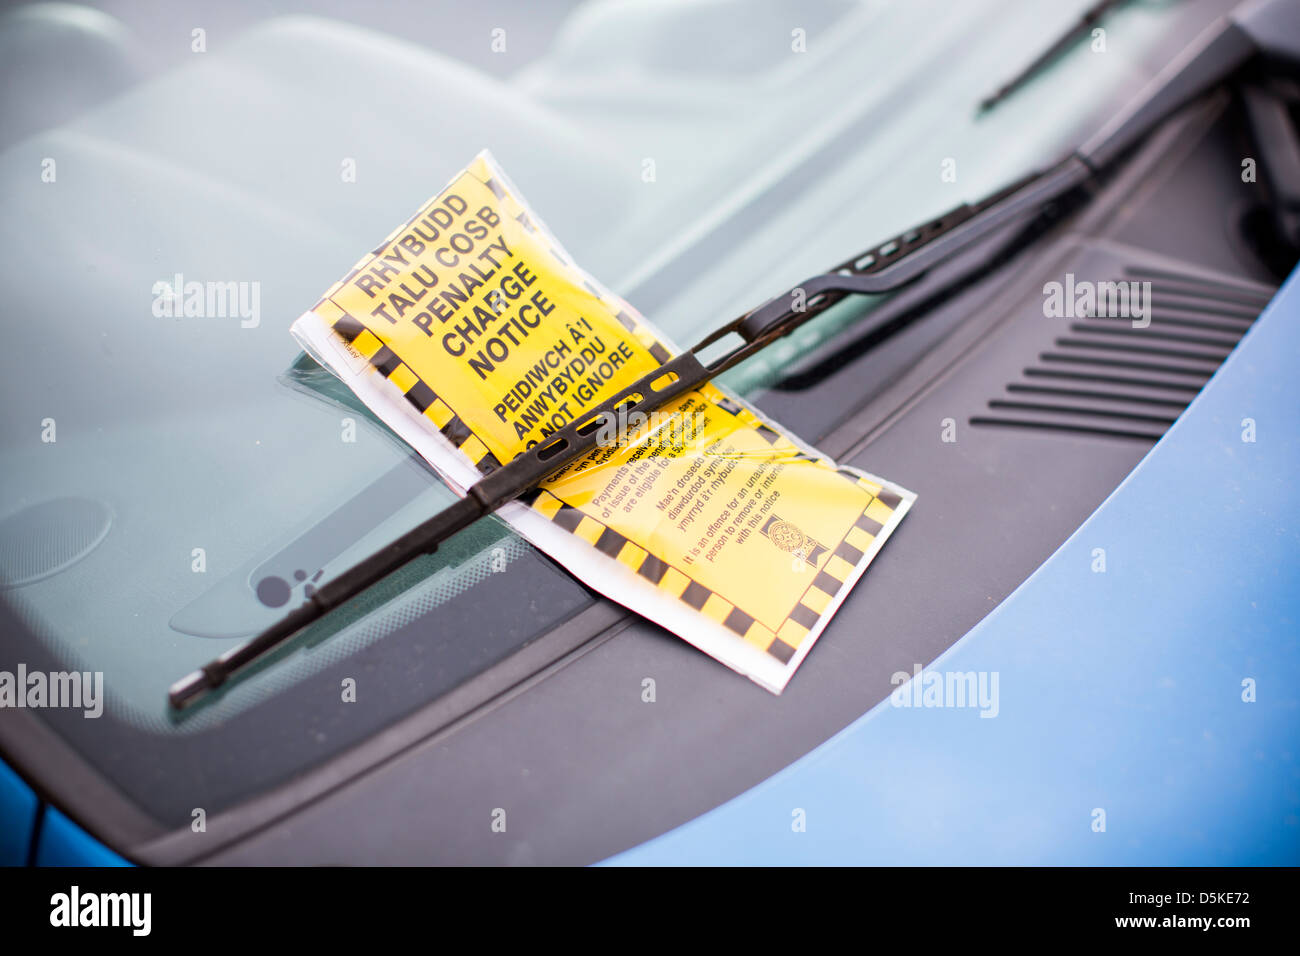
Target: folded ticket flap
[(473, 334)]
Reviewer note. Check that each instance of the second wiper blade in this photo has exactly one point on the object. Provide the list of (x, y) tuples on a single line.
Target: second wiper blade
[(1087, 21)]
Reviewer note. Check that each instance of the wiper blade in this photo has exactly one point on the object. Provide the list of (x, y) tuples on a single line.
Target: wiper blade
[(1272, 27), (886, 267), (1066, 40)]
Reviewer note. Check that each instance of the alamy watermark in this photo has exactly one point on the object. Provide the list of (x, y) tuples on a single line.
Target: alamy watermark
[(208, 300), (1083, 298), (75, 908), (672, 430), (975, 690), (77, 690)]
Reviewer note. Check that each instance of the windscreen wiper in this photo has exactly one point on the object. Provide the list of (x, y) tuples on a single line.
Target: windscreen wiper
[(1089, 19), (1271, 28)]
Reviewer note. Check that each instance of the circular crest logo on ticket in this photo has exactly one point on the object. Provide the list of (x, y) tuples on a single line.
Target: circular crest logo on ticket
[(787, 536)]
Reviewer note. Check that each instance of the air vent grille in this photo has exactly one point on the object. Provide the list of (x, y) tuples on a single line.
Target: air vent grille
[(1103, 376)]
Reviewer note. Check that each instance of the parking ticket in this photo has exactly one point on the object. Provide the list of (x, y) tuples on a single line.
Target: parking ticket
[(473, 334)]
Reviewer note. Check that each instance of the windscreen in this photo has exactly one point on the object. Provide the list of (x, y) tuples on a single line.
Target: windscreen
[(178, 189)]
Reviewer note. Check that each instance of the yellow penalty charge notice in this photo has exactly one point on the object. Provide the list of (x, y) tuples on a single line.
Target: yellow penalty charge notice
[(473, 334)]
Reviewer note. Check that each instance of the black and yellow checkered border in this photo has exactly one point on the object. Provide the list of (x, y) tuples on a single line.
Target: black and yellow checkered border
[(416, 391), (840, 564), (782, 643)]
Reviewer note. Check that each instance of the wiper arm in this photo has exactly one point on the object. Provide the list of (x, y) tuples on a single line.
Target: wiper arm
[(1272, 28)]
